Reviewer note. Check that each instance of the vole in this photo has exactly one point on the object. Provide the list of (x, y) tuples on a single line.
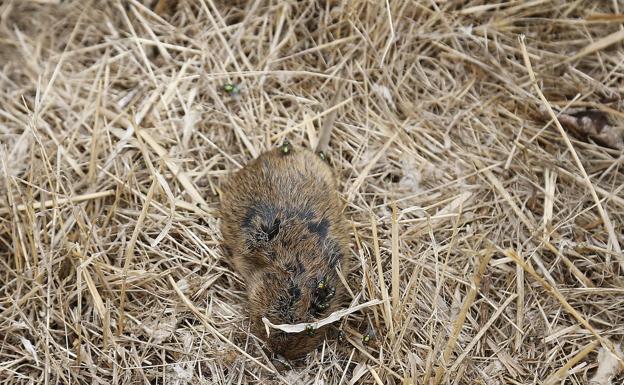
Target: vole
[(284, 232)]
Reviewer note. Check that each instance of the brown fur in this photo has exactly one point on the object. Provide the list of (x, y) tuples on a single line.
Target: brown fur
[(165, 7), (284, 232)]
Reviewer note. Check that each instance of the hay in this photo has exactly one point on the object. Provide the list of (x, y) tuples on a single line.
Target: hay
[(493, 236)]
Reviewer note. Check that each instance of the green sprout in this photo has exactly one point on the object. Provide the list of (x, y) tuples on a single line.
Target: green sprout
[(231, 89)]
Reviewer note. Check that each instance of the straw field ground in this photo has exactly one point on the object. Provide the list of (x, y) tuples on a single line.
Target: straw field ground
[(491, 232)]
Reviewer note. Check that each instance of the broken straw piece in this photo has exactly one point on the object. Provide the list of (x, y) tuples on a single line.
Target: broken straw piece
[(31, 349), (609, 365), (333, 317)]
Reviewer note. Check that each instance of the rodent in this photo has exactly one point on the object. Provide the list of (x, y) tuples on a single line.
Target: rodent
[(284, 232)]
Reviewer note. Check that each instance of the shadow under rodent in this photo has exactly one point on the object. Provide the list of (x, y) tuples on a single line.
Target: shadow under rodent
[(284, 232)]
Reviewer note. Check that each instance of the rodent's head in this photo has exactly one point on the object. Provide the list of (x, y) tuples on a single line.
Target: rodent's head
[(290, 296)]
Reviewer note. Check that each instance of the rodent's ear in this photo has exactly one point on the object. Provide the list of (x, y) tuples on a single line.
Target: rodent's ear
[(265, 231), (271, 230)]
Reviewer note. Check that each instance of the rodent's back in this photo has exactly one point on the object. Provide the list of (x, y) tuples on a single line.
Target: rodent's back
[(283, 230)]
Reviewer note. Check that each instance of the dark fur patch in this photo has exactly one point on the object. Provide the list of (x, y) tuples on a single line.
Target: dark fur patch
[(305, 215), (320, 228), (300, 266), (314, 311), (273, 230), (250, 214), (267, 213), (285, 304), (295, 293), (296, 268), (261, 222), (284, 310)]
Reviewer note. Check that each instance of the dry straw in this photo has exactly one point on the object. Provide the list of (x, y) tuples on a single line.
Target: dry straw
[(491, 234)]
